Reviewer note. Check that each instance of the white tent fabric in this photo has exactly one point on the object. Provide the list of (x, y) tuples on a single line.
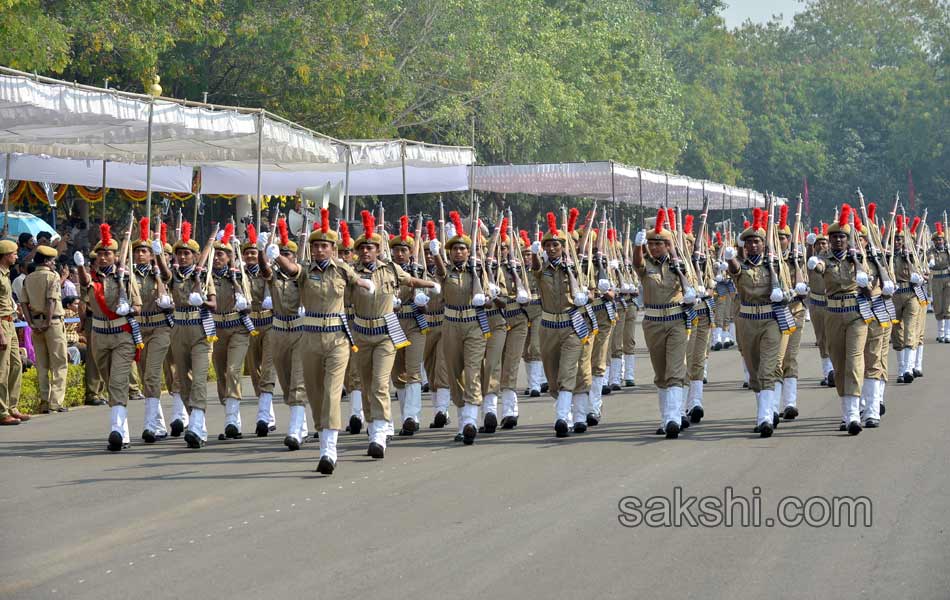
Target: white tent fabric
[(24, 167), (363, 182), (605, 180)]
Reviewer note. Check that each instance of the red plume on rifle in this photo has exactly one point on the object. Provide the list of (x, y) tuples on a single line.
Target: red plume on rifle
[(824, 229), (504, 229), (282, 231), (105, 234), (783, 216), (688, 225), (872, 209), (228, 232), (185, 232), (814, 230), (572, 219), (899, 222), (251, 234), (611, 234), (345, 237), (915, 225), (430, 229), (719, 237), (143, 229), (164, 234), (857, 223), (746, 224)]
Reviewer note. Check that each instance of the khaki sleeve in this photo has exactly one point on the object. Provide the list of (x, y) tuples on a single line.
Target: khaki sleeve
[(209, 288), (402, 278), (54, 289)]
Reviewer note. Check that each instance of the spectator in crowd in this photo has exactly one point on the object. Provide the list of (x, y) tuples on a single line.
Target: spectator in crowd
[(75, 346), (69, 285), (26, 248)]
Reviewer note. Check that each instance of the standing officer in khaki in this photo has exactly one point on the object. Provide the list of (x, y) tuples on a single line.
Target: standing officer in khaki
[(940, 282), (325, 346), (534, 368), (433, 358), (877, 349), (818, 303), (516, 300), (44, 314), (152, 278), (233, 331), (846, 276), (562, 345), (376, 329), (664, 326), (112, 297), (904, 333), (10, 365), (194, 298), (759, 335), (259, 361)]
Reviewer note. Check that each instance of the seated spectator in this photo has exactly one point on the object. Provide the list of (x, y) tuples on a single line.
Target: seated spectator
[(75, 346)]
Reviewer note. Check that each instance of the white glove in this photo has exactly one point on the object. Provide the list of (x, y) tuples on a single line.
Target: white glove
[(396, 302), (372, 286), (79, 259), (420, 299), (740, 242), (916, 279), (478, 300), (262, 239), (219, 235), (157, 247), (301, 311), (721, 266), (862, 278), (194, 299), (434, 246), (267, 303), (523, 297), (604, 285), (272, 252), (810, 239), (801, 289), (729, 253), (641, 238), (689, 296), (536, 247), (580, 299), (613, 264), (543, 256), (777, 295), (449, 230), (123, 309), (436, 290), (240, 302), (931, 263), (720, 278), (813, 263), (165, 301), (888, 288), (493, 290)]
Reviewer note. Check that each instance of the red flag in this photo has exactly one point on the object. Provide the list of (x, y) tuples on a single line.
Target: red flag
[(805, 200), (911, 192)]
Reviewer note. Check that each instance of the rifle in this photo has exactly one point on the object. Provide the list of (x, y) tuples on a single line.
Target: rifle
[(771, 240), (569, 258), (678, 265), (445, 257), (874, 244), (794, 249), (518, 275), (477, 287), (381, 225)]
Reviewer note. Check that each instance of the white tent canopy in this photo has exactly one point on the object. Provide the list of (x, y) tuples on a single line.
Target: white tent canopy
[(24, 167), (607, 180)]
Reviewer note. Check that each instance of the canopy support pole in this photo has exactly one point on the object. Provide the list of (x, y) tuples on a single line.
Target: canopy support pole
[(6, 195), (687, 194), (260, 159), (666, 201), (347, 201), (640, 183), (103, 190), (148, 162), (613, 195), (405, 196)]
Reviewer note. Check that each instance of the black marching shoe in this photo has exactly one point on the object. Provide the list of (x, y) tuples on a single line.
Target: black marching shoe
[(177, 428), (728, 344), (717, 347), (854, 428), (696, 414), (148, 436), (580, 427), (831, 379), (745, 385), (292, 443), (491, 424), (918, 373), (593, 420), (615, 387), (509, 422), (95, 402), (408, 428), (775, 420), (660, 431), (605, 390), (425, 387), (823, 382), (458, 437), (872, 424), (193, 441), (843, 426), (672, 430), (790, 413), (882, 409), (544, 388), (325, 466), (355, 426), (375, 450), (468, 434), (261, 429), (115, 442), (561, 429), (756, 429), (766, 430), (684, 422), (439, 421), (629, 383), (231, 433), (534, 393)]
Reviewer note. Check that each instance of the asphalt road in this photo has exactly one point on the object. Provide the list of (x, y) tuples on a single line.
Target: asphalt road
[(518, 515)]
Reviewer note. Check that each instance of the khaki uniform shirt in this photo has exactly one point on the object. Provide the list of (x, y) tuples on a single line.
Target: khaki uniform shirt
[(40, 286), (387, 277), (322, 290), (661, 285)]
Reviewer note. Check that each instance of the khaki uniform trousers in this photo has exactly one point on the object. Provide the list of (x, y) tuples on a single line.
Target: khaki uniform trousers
[(190, 350), (921, 326), (434, 360), (288, 366), (51, 364), (697, 347), (169, 372), (761, 343), (374, 361), (407, 367), (600, 344), (818, 317), (494, 349), (725, 310), (617, 331), (561, 352), (788, 350), (152, 359), (114, 355), (940, 288), (259, 362), (532, 342), (352, 380), (904, 333), (847, 335), (666, 341), (876, 351), (11, 368), (326, 356), (630, 330), (518, 331), (463, 346), (95, 387), (227, 355)]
